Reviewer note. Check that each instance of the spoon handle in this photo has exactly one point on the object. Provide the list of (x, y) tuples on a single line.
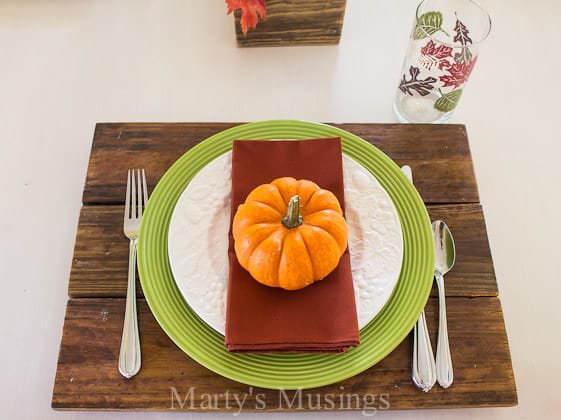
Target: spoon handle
[(444, 370), (423, 370)]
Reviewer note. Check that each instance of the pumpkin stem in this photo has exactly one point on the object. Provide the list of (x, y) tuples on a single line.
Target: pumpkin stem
[(293, 217)]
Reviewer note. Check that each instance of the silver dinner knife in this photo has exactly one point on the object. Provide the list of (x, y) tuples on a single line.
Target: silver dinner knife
[(423, 367)]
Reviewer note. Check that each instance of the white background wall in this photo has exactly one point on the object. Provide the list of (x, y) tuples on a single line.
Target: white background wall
[(67, 64)]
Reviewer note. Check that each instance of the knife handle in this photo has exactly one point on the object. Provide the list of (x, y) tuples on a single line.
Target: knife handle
[(423, 366)]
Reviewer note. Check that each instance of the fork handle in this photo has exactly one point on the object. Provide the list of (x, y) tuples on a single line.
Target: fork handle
[(129, 356)]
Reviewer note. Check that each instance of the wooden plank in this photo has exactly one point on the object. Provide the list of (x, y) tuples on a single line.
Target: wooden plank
[(100, 263), (101, 253), (87, 377), (438, 154), (118, 147), (473, 273), (295, 22)]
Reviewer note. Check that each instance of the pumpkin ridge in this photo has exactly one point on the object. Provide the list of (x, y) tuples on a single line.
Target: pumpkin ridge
[(330, 213), (260, 193), (295, 280), (304, 205), (324, 211), (324, 230), (309, 256), (287, 186), (283, 240), (319, 227), (305, 198), (282, 199), (269, 206), (243, 233), (324, 200), (241, 239), (305, 246), (269, 282), (314, 269)]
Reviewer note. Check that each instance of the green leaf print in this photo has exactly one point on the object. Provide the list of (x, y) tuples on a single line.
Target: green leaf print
[(428, 24), (448, 102)]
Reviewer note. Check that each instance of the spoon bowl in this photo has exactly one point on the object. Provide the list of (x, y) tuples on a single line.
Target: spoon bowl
[(444, 246)]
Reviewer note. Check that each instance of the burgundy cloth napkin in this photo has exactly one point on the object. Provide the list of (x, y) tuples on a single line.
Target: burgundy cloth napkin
[(320, 318)]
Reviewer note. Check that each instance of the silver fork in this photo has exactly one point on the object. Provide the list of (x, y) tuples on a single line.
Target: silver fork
[(135, 203)]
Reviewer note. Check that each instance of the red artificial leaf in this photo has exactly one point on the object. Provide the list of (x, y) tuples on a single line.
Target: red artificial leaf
[(250, 10), (432, 56), (458, 73)]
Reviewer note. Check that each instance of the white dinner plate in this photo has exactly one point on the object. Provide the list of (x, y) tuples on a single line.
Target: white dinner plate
[(198, 240)]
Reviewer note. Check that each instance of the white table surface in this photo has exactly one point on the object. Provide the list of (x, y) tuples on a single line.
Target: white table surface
[(67, 64)]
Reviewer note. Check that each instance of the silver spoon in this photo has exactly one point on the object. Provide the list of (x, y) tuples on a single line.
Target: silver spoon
[(445, 257), (423, 368)]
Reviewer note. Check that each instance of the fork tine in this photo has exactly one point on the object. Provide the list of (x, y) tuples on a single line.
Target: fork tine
[(128, 196), (139, 195), (133, 197), (144, 189)]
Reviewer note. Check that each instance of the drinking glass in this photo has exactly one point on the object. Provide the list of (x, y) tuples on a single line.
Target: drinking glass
[(442, 51)]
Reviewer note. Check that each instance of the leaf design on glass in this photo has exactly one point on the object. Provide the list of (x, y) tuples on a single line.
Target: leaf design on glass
[(461, 33), (433, 56), (457, 74), (428, 24), (464, 56), (422, 87), (448, 102)]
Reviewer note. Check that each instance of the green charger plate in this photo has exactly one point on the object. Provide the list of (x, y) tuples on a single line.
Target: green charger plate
[(285, 371)]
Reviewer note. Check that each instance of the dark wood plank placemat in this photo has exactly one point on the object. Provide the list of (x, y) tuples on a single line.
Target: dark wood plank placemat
[(87, 376)]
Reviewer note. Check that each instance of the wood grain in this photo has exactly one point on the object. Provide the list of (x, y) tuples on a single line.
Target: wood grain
[(87, 375), (99, 266), (117, 147), (295, 22), (473, 273), (439, 155)]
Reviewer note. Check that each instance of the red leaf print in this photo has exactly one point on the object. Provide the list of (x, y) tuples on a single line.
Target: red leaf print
[(250, 9), (458, 73), (432, 56)]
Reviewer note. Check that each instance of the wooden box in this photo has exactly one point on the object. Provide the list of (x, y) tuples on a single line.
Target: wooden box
[(295, 22)]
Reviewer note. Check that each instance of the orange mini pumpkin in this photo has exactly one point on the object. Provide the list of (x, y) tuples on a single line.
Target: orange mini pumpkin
[(289, 233)]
